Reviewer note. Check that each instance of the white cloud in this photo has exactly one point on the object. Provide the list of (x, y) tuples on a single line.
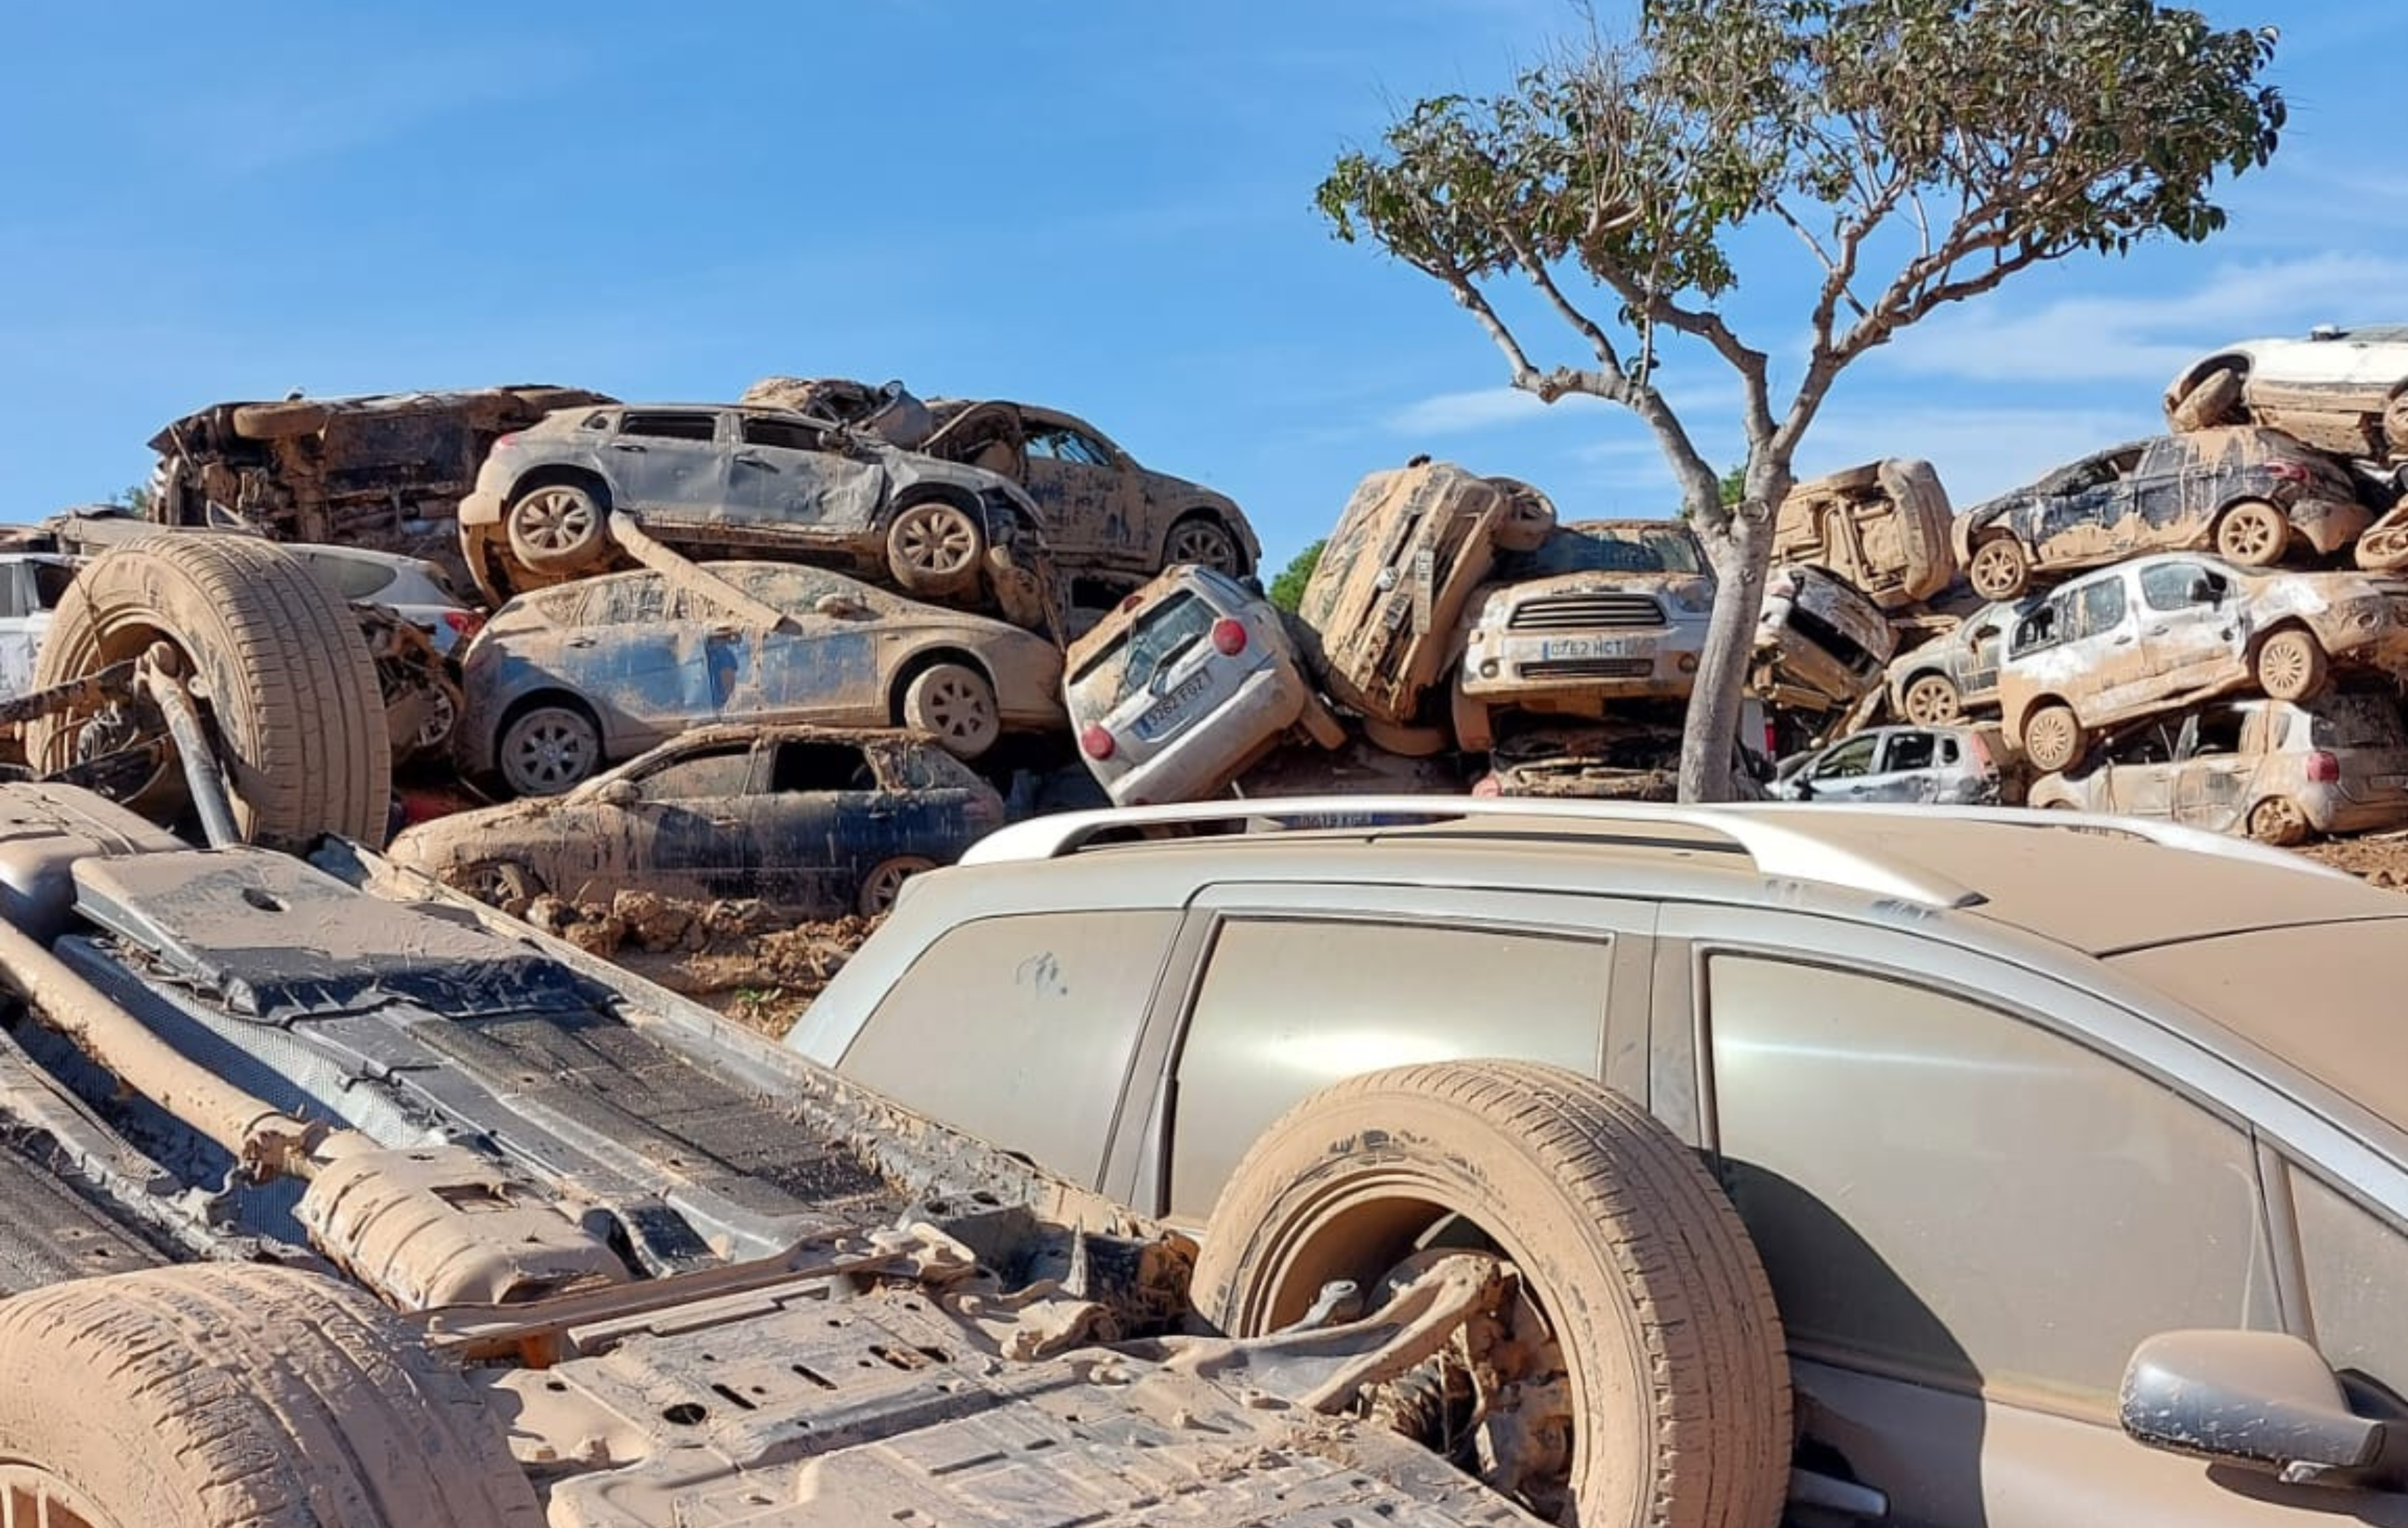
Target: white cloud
[(1460, 414), (1980, 453)]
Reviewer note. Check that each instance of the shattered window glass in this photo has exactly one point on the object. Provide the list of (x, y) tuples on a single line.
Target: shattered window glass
[(1063, 444), (1152, 644), (721, 771)]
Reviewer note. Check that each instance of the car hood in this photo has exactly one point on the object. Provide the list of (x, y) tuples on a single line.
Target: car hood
[(1502, 599)]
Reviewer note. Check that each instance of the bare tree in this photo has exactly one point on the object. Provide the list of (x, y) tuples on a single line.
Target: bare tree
[(1915, 153)]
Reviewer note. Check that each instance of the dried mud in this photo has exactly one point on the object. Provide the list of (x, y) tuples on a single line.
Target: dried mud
[(2376, 859), (736, 957)]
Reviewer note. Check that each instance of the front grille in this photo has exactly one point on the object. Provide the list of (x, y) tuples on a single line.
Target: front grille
[(1587, 669), (1587, 613)]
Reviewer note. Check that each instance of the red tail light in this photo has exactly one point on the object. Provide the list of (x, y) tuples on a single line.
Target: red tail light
[(1229, 635), (510, 440), (2324, 768), (1097, 744), (2290, 471), (1772, 739), (466, 623)]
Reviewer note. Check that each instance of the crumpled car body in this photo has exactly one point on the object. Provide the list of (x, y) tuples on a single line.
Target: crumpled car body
[(1637, 759), (629, 661), (1956, 673), (2160, 633), (1926, 766), (813, 822), (1882, 526), (1183, 686), (2254, 496), (1819, 643), (1603, 611), (386, 472), (2270, 768), (2343, 390), (721, 480)]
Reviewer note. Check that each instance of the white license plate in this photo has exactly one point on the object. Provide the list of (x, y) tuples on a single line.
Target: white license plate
[(1594, 647), (1164, 716)]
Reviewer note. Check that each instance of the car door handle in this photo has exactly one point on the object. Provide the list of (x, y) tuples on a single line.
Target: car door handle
[(752, 458), (625, 445), (2124, 640), (580, 642), (728, 822)]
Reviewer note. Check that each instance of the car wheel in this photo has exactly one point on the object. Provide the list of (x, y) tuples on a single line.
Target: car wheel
[(2053, 738), (1999, 568), (884, 883), (1205, 542), (2252, 533), (2214, 400), (1932, 700), (2395, 424), (955, 704), (500, 883), (934, 550), (556, 529), (442, 714), (546, 749), (2278, 820), (287, 421), (2291, 666), (1406, 742), (1628, 1362)]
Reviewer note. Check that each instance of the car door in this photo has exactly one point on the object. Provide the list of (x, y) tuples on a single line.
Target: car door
[(1907, 770), (787, 472), (690, 819), (821, 664), (817, 810), (1842, 770), (2137, 780), (1976, 1190), (2166, 479), (2223, 748), (669, 464), (1093, 505), (1284, 996), (1974, 664), (2190, 628)]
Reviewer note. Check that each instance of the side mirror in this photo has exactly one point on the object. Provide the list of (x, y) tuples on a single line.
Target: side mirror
[(620, 793), (2264, 1400)]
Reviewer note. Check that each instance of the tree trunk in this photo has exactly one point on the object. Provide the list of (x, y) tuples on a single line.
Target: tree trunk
[(1740, 554)]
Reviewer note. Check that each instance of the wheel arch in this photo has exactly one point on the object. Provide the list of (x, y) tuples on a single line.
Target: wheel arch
[(554, 474), (920, 661), (546, 695), (1217, 515), (2038, 704)]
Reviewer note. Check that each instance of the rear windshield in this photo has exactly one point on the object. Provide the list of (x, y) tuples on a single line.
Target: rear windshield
[(2357, 721), (1147, 648), (1599, 549)]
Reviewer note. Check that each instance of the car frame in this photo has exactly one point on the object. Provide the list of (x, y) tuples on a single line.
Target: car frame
[(2343, 390), (1955, 673), (1820, 641), (1882, 525), (1910, 764)]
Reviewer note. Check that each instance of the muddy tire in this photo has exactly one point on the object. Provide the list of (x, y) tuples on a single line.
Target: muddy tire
[(1675, 1385), (2214, 400), (2290, 664), (288, 421), (2252, 533), (1474, 722), (504, 884), (2053, 738), (935, 550), (558, 529), (953, 703), (884, 883), (1932, 700), (1999, 568), (238, 1395), (544, 400), (1528, 520), (1848, 479), (2278, 820), (283, 677), (1406, 742), (2395, 424), (1202, 539), (548, 748)]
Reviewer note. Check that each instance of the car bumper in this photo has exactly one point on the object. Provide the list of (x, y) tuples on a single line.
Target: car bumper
[(1203, 758), (1499, 666), (2330, 525), (482, 508)]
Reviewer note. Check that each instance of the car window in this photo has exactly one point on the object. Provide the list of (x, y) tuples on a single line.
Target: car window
[(1852, 758), (920, 768), (2046, 626), (788, 588), (1063, 444), (670, 425), (2220, 730), (719, 772), (1018, 1030), (1909, 751), (348, 578), (783, 434), (816, 765), (627, 601), (1149, 647), (2178, 585), (51, 581), (2356, 1264), (2357, 721), (1287, 1005), (2100, 609), (1942, 1187)]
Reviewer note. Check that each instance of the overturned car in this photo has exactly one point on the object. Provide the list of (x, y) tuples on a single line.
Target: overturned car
[(1882, 526)]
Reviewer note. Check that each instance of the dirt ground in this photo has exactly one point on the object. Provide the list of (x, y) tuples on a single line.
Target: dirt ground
[(2378, 858), (735, 955)]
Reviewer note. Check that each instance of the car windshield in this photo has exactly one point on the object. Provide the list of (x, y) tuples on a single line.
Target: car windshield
[(1147, 648), (1609, 549), (2357, 721)]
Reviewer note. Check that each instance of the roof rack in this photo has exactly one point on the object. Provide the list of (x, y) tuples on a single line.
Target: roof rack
[(1780, 837)]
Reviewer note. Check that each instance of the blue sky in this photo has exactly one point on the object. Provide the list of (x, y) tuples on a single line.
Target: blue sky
[(1104, 205)]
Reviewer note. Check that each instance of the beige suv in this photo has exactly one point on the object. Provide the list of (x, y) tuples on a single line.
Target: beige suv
[(2071, 1155)]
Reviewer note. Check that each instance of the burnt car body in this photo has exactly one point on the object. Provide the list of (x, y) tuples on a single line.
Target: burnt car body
[(2343, 390), (1184, 685), (1820, 643), (1602, 612), (1883, 526), (812, 822), (386, 472), (1956, 673), (2163, 632), (1924, 766), (2256, 496), (2273, 770), (721, 481), (565, 680)]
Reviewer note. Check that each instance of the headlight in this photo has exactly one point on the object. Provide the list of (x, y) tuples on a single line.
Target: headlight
[(1696, 598)]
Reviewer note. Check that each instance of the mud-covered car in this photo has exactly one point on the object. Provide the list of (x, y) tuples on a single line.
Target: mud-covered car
[(721, 480), (386, 471), (32, 583), (1184, 685), (2277, 770), (567, 680), (1820, 643), (1929, 766), (1955, 673), (812, 822), (2343, 390), (1602, 612), (1632, 756), (1883, 526), (2159, 632), (2256, 496)]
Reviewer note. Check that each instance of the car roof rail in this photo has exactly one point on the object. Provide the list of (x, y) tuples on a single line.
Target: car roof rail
[(1780, 837)]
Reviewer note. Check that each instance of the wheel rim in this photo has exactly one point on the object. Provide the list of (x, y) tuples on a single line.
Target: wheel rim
[(1996, 567), (937, 542), (1931, 702), (33, 1497), (441, 717), (885, 883), (548, 751), (2249, 534), (2277, 821), (2052, 738), (959, 709), (552, 520), (2284, 667), (1204, 544)]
